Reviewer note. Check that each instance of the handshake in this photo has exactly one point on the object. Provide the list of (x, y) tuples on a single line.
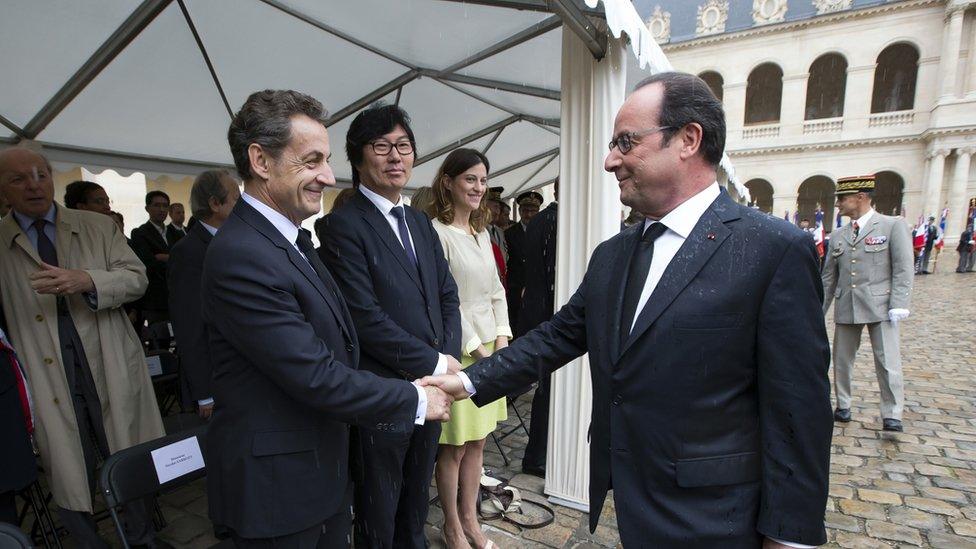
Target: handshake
[(442, 391)]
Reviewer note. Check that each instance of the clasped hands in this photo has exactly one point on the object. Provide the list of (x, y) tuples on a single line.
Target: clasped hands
[(442, 391), (58, 281)]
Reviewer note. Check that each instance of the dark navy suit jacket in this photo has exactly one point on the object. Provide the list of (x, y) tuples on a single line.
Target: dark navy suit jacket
[(713, 419), (184, 274), (286, 384)]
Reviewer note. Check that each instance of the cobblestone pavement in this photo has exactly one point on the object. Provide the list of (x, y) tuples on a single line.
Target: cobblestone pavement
[(917, 488)]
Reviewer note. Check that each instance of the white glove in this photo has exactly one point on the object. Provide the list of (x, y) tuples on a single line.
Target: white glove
[(895, 315)]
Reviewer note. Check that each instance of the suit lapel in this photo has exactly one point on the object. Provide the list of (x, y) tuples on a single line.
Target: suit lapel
[(705, 239), (378, 223), (618, 279)]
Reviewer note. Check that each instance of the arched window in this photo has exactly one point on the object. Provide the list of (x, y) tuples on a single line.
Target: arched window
[(888, 191), (894, 79), (826, 86), (817, 191), (764, 94), (761, 194), (715, 82)]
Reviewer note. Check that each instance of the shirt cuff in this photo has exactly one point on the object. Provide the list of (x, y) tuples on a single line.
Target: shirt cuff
[(92, 299), (205, 402), (792, 544), (421, 416), (468, 386), (441, 367)]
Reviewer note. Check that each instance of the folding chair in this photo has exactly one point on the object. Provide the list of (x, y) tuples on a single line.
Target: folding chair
[(44, 528), (159, 336), (521, 424), (129, 475), (12, 537), (166, 382)]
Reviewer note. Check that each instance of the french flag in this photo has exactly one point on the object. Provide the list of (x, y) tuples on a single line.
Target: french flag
[(939, 241), (818, 231)]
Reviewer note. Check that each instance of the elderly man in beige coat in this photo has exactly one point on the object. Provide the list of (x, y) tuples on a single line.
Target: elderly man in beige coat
[(64, 275), (868, 272)]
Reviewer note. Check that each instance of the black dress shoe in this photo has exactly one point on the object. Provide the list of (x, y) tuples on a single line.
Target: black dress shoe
[(842, 415), (892, 425), (534, 471)]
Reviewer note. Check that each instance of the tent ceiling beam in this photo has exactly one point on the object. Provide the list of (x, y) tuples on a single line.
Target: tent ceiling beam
[(494, 84), (5, 122), (534, 173), (538, 29), (498, 126), (337, 33), (378, 93), (133, 161), (579, 23), (492, 140), (206, 57), (551, 152), (525, 5), (537, 186), (527, 117), (105, 54)]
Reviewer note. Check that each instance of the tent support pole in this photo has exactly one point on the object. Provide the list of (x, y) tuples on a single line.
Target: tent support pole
[(496, 127)]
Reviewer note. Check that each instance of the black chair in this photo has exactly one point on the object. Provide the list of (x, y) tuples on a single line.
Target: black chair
[(512, 398), (166, 383), (130, 475), (44, 528), (12, 537), (159, 336)]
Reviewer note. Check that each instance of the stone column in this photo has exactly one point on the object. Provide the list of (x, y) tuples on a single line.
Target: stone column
[(951, 40), (971, 80), (734, 102), (857, 98), (933, 184), (958, 205)]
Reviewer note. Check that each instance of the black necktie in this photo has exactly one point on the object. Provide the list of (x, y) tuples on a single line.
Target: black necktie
[(640, 264), (398, 213), (45, 248), (308, 250)]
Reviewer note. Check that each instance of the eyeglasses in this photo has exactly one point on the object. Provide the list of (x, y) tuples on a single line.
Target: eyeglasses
[(625, 141), (383, 148)]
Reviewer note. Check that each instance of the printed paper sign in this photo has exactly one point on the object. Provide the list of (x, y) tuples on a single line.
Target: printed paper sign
[(177, 459), (155, 366)]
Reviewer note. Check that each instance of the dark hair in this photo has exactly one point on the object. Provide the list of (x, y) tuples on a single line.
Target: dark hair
[(442, 207), (341, 198), (117, 215), (319, 227), (688, 99), (265, 120), (77, 193), (153, 194), (377, 120), (207, 185)]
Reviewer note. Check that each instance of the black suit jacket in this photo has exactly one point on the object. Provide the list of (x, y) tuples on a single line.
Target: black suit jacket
[(538, 300), (173, 235), (147, 242), (404, 316), (284, 354), (185, 274), (18, 468), (714, 417)]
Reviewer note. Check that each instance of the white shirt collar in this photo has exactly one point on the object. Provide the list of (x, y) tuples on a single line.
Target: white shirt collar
[(683, 219), (381, 203), (863, 220), (210, 229), (284, 225)]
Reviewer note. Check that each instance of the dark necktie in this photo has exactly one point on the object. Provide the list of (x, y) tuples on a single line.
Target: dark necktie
[(308, 249), (640, 264), (45, 248), (399, 214), (857, 229)]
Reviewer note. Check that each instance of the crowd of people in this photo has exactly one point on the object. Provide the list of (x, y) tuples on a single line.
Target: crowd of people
[(338, 382)]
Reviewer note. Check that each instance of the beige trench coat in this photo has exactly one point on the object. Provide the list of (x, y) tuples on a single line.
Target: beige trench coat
[(92, 242)]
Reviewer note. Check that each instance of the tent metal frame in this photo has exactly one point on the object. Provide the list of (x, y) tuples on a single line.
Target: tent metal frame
[(571, 13)]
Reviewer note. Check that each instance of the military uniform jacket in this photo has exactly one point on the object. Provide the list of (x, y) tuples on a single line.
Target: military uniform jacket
[(870, 275)]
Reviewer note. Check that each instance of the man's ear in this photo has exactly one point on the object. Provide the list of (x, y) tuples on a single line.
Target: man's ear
[(260, 161), (691, 139)]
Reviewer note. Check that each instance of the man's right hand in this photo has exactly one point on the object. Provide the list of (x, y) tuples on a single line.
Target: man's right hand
[(449, 383), (438, 403), (453, 366), (205, 410)]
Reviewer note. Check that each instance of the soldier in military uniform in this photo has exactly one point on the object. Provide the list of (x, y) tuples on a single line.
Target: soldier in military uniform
[(868, 273), (528, 206)]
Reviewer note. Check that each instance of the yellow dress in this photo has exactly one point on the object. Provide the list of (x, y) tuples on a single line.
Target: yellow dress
[(484, 317)]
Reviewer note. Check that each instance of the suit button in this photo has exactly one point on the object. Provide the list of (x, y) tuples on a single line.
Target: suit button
[(853, 273), (349, 347), (853, 261), (853, 285), (437, 341), (56, 401), (39, 318), (617, 400), (48, 361)]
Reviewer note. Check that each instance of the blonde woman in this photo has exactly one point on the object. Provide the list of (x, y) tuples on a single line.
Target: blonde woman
[(460, 215)]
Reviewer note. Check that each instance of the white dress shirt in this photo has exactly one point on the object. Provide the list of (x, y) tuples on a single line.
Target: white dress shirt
[(290, 231), (162, 231), (385, 206)]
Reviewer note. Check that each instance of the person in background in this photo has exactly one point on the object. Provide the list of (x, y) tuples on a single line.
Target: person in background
[(212, 197), (422, 199), (19, 467), (86, 195), (528, 204), (175, 230), (119, 221), (497, 234), (966, 249), (150, 242), (461, 217)]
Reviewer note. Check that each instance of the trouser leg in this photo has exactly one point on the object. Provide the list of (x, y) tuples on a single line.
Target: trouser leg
[(847, 339), (535, 450), (379, 482), (418, 468), (887, 366)]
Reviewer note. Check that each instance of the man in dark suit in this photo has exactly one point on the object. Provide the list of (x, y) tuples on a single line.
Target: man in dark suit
[(18, 468), (538, 305), (151, 245), (212, 198), (283, 347), (176, 230), (404, 303), (528, 206), (711, 404)]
